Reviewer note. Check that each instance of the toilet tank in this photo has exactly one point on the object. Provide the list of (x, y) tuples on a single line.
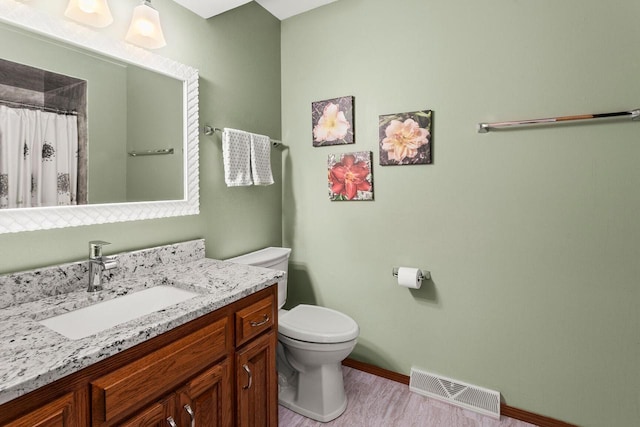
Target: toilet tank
[(274, 258)]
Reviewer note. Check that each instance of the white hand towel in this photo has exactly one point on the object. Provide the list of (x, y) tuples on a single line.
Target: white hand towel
[(236, 154), (261, 160)]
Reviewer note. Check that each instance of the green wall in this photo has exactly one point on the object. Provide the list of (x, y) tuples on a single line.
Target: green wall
[(238, 56), (532, 236)]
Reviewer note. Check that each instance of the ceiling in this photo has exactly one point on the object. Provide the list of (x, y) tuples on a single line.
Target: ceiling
[(281, 9)]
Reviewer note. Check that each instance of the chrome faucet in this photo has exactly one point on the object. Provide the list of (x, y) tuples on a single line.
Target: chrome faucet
[(97, 264)]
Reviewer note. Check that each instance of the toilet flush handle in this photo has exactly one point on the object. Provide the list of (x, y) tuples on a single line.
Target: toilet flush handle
[(248, 371)]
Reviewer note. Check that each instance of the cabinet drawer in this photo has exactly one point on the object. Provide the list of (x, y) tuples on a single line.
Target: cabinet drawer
[(254, 319), (139, 382)]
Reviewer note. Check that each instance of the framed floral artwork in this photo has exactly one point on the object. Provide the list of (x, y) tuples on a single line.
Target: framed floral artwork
[(332, 121), (405, 138), (350, 176)]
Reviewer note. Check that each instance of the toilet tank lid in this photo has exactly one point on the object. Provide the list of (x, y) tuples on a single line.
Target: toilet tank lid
[(315, 324), (263, 257)]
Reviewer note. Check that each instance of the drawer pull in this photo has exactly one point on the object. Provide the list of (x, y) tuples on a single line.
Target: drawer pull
[(191, 414), (248, 371), (264, 322), (171, 422)]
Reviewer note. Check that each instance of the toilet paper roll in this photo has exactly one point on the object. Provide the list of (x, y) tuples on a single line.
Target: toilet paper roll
[(409, 277)]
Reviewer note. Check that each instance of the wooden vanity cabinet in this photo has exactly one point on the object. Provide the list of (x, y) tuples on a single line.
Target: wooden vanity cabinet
[(216, 371), (256, 376), (257, 382), (62, 412), (155, 415), (203, 401), (137, 383), (207, 399)]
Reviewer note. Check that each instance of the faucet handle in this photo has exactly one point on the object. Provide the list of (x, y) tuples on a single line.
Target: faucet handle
[(109, 262), (95, 248)]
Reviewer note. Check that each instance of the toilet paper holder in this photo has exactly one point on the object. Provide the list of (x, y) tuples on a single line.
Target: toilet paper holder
[(424, 275)]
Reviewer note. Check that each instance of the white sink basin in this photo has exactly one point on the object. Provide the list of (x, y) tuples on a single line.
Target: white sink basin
[(104, 315)]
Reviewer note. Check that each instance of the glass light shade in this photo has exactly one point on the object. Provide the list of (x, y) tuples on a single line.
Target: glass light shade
[(90, 12), (145, 29)]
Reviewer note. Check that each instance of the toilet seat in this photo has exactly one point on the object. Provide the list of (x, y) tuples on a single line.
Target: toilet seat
[(315, 324)]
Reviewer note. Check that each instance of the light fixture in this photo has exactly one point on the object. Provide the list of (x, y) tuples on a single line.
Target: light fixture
[(145, 29), (90, 12)]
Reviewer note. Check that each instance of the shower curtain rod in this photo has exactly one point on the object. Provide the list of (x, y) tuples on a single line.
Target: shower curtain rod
[(38, 107), (485, 127), (208, 130)]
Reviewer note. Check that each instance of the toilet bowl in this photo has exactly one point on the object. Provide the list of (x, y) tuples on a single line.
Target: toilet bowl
[(312, 343), (315, 341)]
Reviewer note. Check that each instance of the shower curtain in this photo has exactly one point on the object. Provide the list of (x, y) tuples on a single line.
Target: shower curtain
[(38, 158)]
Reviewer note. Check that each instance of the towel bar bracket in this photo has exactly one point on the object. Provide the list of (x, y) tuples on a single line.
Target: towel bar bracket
[(208, 130)]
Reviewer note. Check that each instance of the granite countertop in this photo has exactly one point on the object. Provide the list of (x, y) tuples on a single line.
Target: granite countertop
[(32, 355)]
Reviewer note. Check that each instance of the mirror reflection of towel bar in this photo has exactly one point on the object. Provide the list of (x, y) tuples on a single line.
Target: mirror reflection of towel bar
[(151, 152)]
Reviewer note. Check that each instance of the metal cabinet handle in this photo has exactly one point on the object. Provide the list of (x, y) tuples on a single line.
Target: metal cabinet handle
[(191, 414), (248, 371), (264, 322), (171, 422)]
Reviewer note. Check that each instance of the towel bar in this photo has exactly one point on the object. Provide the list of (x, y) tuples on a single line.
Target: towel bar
[(485, 127), (208, 130)]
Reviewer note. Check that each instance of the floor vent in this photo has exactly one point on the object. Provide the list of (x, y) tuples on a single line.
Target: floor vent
[(486, 402)]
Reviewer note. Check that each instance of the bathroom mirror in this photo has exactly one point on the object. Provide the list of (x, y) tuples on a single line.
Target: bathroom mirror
[(149, 203)]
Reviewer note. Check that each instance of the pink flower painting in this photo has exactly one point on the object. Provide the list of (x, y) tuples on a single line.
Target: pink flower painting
[(405, 138), (333, 121), (350, 176)]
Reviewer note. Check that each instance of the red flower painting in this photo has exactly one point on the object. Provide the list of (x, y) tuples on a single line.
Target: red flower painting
[(350, 176)]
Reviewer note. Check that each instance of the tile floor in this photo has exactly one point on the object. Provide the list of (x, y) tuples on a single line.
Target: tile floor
[(379, 402)]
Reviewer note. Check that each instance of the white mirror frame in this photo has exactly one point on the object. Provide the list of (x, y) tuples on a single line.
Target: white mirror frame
[(29, 219)]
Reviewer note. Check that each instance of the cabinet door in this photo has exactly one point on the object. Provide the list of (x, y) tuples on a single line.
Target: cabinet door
[(256, 383), (207, 400), (156, 415), (59, 413)]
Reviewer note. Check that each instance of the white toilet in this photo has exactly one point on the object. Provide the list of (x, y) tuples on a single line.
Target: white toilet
[(313, 341)]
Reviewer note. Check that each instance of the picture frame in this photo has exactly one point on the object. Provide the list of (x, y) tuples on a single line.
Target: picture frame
[(405, 138), (333, 121), (350, 176)]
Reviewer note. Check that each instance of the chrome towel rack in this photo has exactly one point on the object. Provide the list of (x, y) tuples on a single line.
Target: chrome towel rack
[(208, 130), (151, 152), (486, 127)]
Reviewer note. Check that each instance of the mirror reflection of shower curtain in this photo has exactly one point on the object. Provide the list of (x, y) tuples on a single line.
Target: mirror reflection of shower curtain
[(38, 158)]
